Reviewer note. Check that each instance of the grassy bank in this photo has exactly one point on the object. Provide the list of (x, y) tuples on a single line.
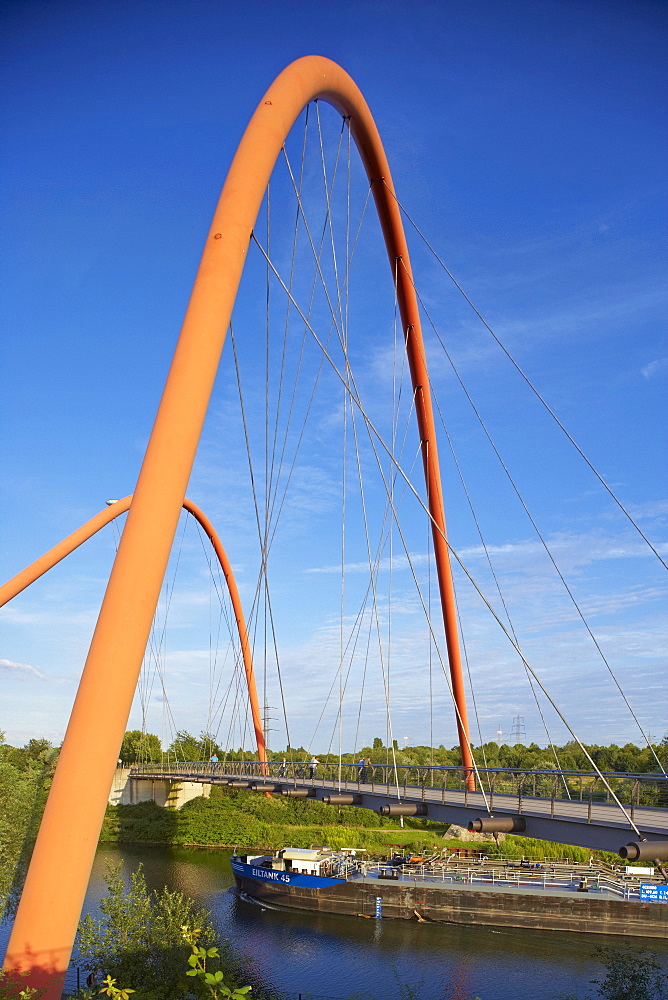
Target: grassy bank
[(248, 820)]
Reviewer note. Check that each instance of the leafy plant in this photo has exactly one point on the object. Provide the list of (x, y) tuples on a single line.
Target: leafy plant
[(630, 974), (9, 984), (109, 987), (140, 938), (214, 981)]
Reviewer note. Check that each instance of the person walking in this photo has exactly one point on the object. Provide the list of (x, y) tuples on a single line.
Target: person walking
[(313, 766)]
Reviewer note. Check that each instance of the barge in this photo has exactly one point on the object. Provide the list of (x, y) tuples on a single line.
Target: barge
[(592, 899)]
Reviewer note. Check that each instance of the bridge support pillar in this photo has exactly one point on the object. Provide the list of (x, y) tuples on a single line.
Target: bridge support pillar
[(128, 790), (120, 787), (181, 792)]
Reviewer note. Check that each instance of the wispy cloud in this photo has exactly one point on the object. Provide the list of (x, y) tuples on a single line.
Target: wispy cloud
[(576, 549), (395, 563), (24, 670), (651, 509), (49, 617), (655, 368)]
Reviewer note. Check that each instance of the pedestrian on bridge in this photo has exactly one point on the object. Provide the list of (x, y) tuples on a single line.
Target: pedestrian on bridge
[(313, 766)]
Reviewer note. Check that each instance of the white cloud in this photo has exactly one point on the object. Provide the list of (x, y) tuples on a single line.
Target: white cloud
[(655, 368), (650, 509), (571, 548), (13, 669), (383, 565)]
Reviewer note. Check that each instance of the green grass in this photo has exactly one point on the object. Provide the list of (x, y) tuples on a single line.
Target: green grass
[(248, 820)]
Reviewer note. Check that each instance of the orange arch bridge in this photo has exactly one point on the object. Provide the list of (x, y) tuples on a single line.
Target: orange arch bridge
[(114, 509), (50, 905)]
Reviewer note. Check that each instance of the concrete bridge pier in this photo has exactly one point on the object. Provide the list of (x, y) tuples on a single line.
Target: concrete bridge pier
[(127, 790)]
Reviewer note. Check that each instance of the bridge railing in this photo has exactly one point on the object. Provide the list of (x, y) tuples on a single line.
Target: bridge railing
[(436, 782)]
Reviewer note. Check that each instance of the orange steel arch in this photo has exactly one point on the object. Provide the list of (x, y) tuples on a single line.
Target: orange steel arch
[(50, 905), (115, 508)]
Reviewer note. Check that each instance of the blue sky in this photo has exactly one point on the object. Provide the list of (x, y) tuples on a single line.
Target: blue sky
[(528, 142)]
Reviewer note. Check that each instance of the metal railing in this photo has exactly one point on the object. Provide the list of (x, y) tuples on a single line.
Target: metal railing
[(595, 883), (435, 782), (510, 872)]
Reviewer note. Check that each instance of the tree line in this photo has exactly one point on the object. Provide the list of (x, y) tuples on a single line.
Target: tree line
[(138, 747)]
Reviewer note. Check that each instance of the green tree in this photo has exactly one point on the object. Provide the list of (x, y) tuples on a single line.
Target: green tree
[(25, 779), (186, 747), (208, 746), (139, 940), (631, 973), (138, 747)]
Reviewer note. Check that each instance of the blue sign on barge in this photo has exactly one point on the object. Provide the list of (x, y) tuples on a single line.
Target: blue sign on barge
[(291, 867)]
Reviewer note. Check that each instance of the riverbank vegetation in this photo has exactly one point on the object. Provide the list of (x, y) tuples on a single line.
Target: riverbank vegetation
[(248, 821), (25, 779), (145, 940)]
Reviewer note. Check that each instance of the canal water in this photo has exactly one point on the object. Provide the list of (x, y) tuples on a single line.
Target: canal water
[(327, 957)]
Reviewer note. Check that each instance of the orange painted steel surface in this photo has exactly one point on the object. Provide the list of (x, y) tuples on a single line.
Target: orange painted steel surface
[(51, 558), (47, 917), (58, 552)]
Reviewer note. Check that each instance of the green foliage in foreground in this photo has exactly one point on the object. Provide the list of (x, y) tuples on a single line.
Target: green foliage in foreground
[(146, 939), (9, 988), (630, 974), (25, 778), (213, 981)]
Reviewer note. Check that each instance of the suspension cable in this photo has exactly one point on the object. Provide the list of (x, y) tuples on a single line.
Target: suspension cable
[(375, 434), (543, 542), (526, 378)]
